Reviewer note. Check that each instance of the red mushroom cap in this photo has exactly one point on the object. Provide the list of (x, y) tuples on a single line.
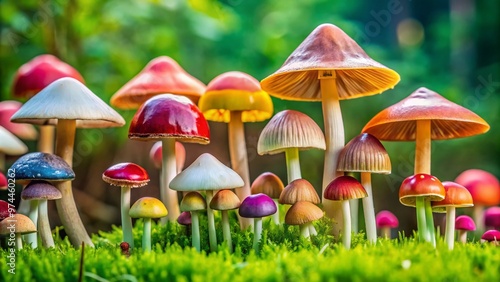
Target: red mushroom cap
[(344, 188), (465, 222), (41, 71), (491, 235), (126, 174), (3, 181), (420, 185), (456, 196), (156, 154), (483, 186), (4, 209), (386, 219), (170, 116), (492, 217), (22, 130)]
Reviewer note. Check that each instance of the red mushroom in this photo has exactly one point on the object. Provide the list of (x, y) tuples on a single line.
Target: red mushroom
[(21, 130)]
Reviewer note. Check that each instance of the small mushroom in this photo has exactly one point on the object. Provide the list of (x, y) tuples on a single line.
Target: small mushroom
[(303, 213), (224, 201), (464, 224), (147, 208), (6, 209), (270, 184), (185, 219), (17, 224), (10, 145), (257, 206), (21, 130), (492, 236), (492, 218), (193, 203), (386, 220)]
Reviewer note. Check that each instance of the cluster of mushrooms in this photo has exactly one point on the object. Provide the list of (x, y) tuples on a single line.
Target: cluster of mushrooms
[(173, 107)]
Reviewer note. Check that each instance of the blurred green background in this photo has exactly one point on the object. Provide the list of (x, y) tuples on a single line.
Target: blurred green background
[(450, 47)]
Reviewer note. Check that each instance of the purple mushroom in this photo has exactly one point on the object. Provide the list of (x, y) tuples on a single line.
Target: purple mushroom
[(492, 236), (386, 220), (257, 206), (492, 218), (464, 224)]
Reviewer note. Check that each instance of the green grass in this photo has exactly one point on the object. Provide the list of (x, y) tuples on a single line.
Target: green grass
[(284, 257)]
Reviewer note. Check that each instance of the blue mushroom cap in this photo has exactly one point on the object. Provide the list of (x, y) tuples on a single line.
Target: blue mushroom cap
[(257, 205), (42, 166)]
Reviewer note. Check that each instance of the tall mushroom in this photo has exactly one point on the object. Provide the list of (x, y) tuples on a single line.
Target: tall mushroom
[(270, 184), (193, 203), (329, 66), (73, 105), (10, 145), (235, 98), (169, 118)]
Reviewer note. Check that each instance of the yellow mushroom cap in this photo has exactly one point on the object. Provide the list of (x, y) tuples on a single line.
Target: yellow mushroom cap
[(303, 212), (193, 201), (148, 207)]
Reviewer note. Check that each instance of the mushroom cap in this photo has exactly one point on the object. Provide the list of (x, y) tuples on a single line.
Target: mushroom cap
[(22, 130), (299, 190), (329, 48), (386, 219), (38, 73), (225, 200), (4, 209), (465, 222), (483, 186), (235, 91), (23, 225), (184, 218), (269, 184), (169, 116), (42, 166), (448, 120), (257, 205), (456, 196), (10, 144), (290, 129), (161, 75), (303, 212), (3, 181), (364, 153), (156, 154), (193, 201), (40, 190), (148, 207), (126, 174), (420, 185), (206, 173), (491, 235), (344, 188), (68, 99), (492, 217)]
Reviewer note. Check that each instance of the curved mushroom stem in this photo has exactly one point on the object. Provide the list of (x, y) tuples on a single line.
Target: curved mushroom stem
[(146, 235), (19, 241), (304, 230), (449, 234), (346, 230), (212, 236), (429, 219), (257, 234), (478, 215), (32, 238), (168, 172), (385, 232), (46, 139), (126, 220), (421, 220), (226, 230), (292, 164), (239, 160), (195, 231), (462, 236), (44, 225), (276, 216), (368, 209), (66, 207)]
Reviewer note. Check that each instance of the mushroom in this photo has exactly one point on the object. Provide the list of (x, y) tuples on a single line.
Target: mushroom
[(147, 208), (492, 236), (169, 118), (10, 145), (424, 116), (3, 182), (6, 209), (223, 201), (367, 155), (288, 131), (21, 130), (303, 213), (235, 98), (343, 189), (207, 174), (127, 176), (38, 192), (257, 206), (457, 196), (270, 184), (192, 203), (17, 225), (33, 77), (185, 218), (386, 220), (464, 224), (329, 66), (156, 155), (68, 100), (492, 218)]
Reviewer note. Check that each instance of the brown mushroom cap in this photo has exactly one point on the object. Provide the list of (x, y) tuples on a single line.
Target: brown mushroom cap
[(448, 120), (329, 48), (303, 212), (364, 153), (23, 225), (267, 183), (456, 196), (225, 200), (299, 190)]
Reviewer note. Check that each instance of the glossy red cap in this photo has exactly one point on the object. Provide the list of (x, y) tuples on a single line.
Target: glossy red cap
[(386, 219), (126, 174), (420, 185), (22, 130), (345, 188)]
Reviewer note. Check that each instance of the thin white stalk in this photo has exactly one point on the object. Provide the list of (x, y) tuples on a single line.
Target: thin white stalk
[(44, 225), (292, 164), (304, 230), (449, 234), (354, 204), (312, 230), (462, 236), (32, 238), (146, 235), (226, 231), (126, 220), (195, 231), (168, 172), (19, 241), (212, 236), (368, 209), (346, 231), (257, 233), (478, 215), (276, 215)]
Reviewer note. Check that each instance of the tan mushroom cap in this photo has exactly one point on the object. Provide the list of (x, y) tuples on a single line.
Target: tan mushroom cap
[(290, 129), (303, 212), (448, 120), (23, 225), (68, 99), (364, 153), (329, 48), (193, 201), (225, 200), (299, 190), (267, 183), (10, 144)]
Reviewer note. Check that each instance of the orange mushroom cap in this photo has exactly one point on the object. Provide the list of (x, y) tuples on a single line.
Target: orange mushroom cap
[(456, 196), (420, 185)]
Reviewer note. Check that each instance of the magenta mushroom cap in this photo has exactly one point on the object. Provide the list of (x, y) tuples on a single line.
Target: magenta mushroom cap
[(184, 218), (491, 235), (386, 219), (492, 217), (3, 181), (257, 205), (465, 222)]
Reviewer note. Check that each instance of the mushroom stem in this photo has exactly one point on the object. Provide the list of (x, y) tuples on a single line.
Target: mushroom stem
[(212, 236), (19, 241), (195, 231), (146, 235), (385, 232), (168, 172), (32, 238), (44, 225), (276, 215), (257, 234), (239, 159), (126, 220), (46, 139), (312, 230), (2, 161), (421, 220), (478, 215), (462, 236), (66, 206), (368, 209), (346, 230), (423, 147), (354, 205), (449, 234), (429, 220), (226, 230), (304, 230), (292, 164)]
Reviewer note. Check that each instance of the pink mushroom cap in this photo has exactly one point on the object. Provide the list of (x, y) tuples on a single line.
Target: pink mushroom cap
[(465, 222), (492, 217), (386, 219)]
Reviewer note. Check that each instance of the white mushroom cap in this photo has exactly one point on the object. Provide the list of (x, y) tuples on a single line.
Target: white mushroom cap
[(10, 144), (67, 98), (206, 173)]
